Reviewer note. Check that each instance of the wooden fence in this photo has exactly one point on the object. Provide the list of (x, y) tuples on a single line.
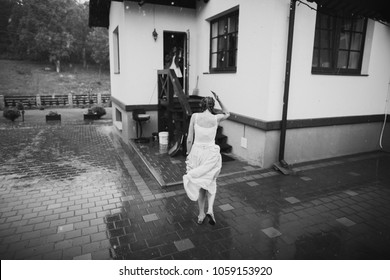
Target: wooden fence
[(46, 101)]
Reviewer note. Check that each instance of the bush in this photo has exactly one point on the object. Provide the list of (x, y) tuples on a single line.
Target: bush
[(97, 110), (11, 113), (52, 113), (20, 106)]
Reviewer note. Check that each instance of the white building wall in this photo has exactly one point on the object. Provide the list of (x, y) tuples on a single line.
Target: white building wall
[(319, 96), (261, 36), (379, 67), (324, 96), (140, 55), (277, 66), (256, 89), (116, 20)]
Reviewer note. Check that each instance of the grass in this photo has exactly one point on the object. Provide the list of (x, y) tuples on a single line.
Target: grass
[(30, 78)]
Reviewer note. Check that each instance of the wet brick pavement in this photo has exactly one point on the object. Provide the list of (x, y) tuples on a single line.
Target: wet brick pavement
[(168, 171), (75, 191)]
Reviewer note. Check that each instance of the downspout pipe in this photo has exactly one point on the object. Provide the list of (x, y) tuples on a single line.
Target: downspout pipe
[(283, 126)]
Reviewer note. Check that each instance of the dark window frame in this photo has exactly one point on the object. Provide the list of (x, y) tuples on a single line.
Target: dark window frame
[(117, 68), (224, 44), (334, 29)]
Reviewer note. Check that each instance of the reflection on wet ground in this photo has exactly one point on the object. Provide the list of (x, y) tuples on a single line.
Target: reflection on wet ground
[(78, 192)]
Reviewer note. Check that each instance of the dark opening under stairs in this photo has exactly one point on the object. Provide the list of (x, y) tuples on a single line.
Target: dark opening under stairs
[(221, 141)]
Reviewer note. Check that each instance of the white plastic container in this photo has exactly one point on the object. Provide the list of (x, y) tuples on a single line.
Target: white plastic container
[(163, 137), (163, 142)]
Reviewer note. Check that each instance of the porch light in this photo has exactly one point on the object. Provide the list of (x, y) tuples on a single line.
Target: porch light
[(155, 35)]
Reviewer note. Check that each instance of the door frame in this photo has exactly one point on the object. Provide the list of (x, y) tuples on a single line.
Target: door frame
[(178, 39)]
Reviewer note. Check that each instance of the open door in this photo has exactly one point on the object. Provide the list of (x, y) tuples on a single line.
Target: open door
[(176, 56)]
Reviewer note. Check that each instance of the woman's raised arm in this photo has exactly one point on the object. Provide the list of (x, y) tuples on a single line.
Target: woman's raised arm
[(225, 112)]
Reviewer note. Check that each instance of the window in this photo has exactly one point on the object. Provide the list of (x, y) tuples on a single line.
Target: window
[(118, 115), (338, 45), (118, 120), (116, 51), (223, 43)]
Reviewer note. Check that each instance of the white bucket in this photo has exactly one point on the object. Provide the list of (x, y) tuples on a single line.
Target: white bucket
[(163, 138), (163, 141)]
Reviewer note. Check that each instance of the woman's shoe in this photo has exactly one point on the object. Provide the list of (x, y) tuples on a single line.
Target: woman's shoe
[(211, 218), (201, 219)]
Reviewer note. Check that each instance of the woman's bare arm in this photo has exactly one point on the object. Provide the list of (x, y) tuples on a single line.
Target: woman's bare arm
[(225, 112)]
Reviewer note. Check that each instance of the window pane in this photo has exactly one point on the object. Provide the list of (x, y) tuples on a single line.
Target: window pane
[(232, 59), (326, 41), (221, 60), (346, 24), (342, 59), (232, 42), (214, 29), (222, 27), (232, 24), (325, 21), (359, 25), (356, 41), (315, 58), (325, 58), (222, 43), (354, 60), (344, 40), (214, 60), (214, 45)]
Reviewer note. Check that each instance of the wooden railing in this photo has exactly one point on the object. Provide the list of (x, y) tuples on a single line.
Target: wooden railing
[(62, 100), (174, 109), (169, 88)]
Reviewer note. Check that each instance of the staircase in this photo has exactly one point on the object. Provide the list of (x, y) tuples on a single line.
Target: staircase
[(175, 109), (221, 141)]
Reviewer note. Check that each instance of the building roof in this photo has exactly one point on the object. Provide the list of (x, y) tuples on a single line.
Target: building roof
[(99, 9), (374, 9)]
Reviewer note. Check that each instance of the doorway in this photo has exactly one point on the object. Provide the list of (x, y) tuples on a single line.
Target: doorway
[(176, 56)]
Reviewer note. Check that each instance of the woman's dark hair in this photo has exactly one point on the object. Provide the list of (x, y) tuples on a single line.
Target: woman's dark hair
[(207, 103)]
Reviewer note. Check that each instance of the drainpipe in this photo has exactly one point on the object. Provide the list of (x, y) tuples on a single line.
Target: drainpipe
[(283, 127)]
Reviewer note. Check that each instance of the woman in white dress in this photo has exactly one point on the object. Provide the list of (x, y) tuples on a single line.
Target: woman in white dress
[(204, 160)]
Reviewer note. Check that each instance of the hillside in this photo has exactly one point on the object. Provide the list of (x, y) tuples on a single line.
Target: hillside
[(29, 78)]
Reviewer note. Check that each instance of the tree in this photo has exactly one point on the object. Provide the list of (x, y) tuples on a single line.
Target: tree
[(57, 45), (43, 29), (6, 7), (19, 36), (78, 26), (99, 45), (54, 30)]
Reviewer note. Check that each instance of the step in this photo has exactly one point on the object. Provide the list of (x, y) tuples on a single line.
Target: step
[(221, 139), (225, 148)]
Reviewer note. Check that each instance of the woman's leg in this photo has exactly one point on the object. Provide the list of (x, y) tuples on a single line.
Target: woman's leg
[(210, 198), (210, 211), (202, 202)]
